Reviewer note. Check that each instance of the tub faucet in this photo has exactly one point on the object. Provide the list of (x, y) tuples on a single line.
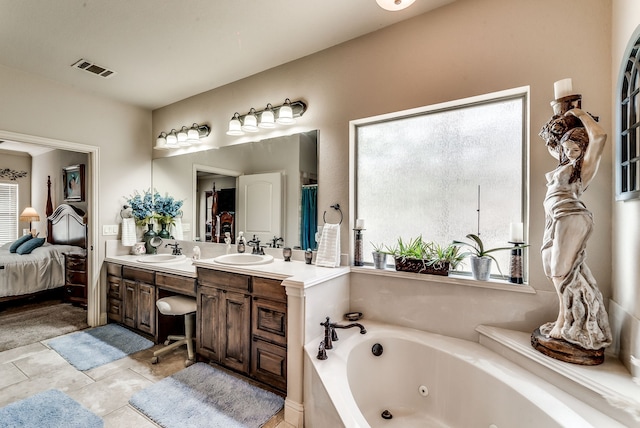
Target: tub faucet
[(330, 334)]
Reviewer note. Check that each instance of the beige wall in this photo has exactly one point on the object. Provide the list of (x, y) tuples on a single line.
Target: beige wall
[(19, 162), (625, 307), (460, 50)]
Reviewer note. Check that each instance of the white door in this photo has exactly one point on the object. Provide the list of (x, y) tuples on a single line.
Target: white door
[(260, 206)]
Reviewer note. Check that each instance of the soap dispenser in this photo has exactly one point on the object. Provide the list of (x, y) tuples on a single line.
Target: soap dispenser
[(242, 242)]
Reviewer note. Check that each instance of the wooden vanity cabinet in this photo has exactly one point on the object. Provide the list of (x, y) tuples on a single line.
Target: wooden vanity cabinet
[(115, 292), (242, 323), (269, 333), (224, 316)]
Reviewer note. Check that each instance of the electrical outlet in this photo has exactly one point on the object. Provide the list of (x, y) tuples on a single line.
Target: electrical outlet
[(109, 230)]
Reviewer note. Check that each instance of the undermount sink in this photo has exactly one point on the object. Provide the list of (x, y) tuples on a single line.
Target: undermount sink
[(244, 259), (161, 258)]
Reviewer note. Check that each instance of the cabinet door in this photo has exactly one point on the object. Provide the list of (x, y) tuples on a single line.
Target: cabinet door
[(208, 324), (146, 313), (130, 303), (235, 316), (269, 363)]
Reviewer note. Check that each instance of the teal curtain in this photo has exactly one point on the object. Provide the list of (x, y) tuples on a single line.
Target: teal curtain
[(309, 217)]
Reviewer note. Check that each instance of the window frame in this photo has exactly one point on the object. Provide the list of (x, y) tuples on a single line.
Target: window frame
[(522, 93), (16, 213), (624, 161)]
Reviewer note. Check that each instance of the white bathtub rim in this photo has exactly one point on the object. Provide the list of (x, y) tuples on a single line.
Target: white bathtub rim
[(332, 372)]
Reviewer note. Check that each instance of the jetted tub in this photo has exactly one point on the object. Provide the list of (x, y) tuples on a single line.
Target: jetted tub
[(425, 380)]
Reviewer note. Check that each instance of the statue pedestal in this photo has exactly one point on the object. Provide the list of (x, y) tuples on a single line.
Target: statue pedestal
[(565, 351)]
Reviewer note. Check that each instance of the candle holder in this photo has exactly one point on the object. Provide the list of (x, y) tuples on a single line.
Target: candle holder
[(308, 256), (515, 263), (357, 248), (286, 254)]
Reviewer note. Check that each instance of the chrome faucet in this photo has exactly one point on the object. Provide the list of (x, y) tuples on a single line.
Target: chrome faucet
[(177, 251)]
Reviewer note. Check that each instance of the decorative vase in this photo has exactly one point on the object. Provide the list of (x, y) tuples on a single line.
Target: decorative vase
[(481, 267), (379, 260), (148, 236), (164, 233)]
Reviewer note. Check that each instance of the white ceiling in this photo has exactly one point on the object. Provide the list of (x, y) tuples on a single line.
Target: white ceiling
[(164, 51)]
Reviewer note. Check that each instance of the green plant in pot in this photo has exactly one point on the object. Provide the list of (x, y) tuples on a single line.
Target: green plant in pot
[(421, 256), (379, 254), (480, 257)]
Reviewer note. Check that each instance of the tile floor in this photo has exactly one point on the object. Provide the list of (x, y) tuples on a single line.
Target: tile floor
[(104, 390)]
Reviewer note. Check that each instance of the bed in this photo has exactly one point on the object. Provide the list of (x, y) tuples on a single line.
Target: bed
[(43, 268)]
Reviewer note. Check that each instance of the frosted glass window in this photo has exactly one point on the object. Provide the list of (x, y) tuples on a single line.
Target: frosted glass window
[(443, 174)]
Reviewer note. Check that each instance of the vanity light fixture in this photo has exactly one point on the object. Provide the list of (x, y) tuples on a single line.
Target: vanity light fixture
[(394, 5), (187, 136), (267, 118), (250, 123), (284, 114)]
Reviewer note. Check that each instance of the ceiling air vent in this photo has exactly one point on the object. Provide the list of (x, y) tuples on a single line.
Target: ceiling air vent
[(90, 67)]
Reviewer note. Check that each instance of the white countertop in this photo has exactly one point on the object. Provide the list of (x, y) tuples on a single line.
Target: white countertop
[(295, 273)]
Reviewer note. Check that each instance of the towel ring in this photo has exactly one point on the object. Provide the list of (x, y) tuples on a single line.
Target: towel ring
[(124, 208), (335, 207)]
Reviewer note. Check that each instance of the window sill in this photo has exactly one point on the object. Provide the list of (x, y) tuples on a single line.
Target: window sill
[(454, 279)]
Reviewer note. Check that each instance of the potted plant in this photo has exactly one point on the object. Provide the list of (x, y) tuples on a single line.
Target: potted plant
[(420, 256), (379, 256), (480, 257)]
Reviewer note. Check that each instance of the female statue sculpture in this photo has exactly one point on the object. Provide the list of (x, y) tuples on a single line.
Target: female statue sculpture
[(577, 141)]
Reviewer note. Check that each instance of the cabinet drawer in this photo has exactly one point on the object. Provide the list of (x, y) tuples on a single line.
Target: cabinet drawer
[(270, 288), (114, 285), (138, 274), (269, 364), (180, 284), (114, 309), (218, 278), (76, 263), (269, 320), (114, 269), (74, 277)]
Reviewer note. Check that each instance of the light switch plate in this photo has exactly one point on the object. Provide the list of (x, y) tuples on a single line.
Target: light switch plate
[(109, 230)]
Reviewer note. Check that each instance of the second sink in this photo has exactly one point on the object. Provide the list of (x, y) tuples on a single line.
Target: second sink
[(243, 259)]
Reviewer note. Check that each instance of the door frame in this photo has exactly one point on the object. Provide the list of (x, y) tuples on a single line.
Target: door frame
[(93, 152)]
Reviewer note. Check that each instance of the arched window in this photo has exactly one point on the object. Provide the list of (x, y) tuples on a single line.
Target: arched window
[(628, 132)]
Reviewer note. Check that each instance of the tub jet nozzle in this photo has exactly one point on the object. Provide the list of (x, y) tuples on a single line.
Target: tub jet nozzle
[(386, 415)]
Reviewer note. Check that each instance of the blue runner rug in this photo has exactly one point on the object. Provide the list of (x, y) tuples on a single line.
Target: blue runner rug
[(51, 409), (91, 348), (203, 396)]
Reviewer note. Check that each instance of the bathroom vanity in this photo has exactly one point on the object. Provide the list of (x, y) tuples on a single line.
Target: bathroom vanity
[(242, 324)]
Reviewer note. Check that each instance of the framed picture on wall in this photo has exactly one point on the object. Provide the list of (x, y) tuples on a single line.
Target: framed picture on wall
[(73, 181)]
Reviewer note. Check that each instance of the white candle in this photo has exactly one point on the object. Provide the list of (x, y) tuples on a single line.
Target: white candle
[(516, 232), (562, 88), (359, 224)]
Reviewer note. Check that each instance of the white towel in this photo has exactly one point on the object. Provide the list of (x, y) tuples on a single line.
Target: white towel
[(128, 232), (176, 229), (329, 248)]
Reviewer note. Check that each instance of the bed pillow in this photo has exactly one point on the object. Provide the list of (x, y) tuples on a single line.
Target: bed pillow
[(30, 245), (19, 241)]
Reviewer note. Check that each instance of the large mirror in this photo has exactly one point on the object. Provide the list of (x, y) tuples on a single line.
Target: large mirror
[(266, 188)]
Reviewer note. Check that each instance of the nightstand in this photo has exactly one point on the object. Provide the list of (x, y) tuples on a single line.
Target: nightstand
[(75, 284)]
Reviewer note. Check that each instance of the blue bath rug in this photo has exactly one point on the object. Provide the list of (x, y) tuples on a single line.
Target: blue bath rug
[(92, 348), (203, 396), (51, 409)]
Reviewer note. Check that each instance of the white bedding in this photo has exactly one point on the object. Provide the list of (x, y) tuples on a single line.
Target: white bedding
[(43, 269)]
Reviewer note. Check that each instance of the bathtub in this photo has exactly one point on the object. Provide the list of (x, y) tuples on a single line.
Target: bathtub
[(425, 380)]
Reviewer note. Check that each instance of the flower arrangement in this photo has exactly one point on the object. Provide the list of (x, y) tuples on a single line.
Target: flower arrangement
[(166, 208), (148, 206), (142, 206)]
